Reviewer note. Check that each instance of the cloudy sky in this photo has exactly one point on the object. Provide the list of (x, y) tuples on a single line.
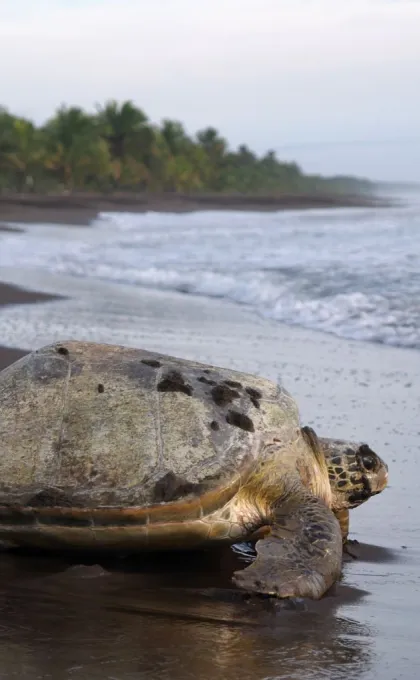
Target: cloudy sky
[(334, 84)]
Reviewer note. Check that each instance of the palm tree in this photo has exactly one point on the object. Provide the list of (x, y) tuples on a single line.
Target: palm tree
[(175, 137), (74, 147), (130, 139), (21, 149), (180, 172), (121, 125), (215, 147), (212, 142), (119, 147)]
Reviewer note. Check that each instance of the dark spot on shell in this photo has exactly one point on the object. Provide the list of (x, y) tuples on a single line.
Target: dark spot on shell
[(63, 350), (174, 382), (253, 393), (50, 498), (223, 395), (170, 487), (238, 419), (205, 380), (214, 425), (339, 470), (342, 483), (101, 388), (336, 460), (151, 362), (233, 383)]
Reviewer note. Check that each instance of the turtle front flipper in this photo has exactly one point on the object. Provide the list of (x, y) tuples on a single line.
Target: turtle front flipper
[(302, 555)]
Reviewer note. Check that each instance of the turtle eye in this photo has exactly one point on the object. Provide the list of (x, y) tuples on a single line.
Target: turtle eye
[(368, 458), (368, 462)]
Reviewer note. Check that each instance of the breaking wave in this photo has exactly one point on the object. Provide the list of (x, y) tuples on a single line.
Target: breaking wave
[(351, 272)]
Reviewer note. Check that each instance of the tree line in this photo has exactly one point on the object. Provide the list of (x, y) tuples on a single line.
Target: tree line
[(118, 148)]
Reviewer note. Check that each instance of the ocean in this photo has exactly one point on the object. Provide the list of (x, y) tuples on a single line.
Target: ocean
[(351, 272)]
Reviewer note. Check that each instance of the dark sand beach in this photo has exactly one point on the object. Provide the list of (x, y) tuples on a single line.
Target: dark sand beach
[(12, 295), (81, 209), (174, 617), (8, 356)]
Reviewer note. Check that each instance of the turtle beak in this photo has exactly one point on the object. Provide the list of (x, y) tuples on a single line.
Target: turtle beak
[(380, 481)]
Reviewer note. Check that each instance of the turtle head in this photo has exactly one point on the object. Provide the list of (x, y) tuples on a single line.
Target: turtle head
[(355, 472)]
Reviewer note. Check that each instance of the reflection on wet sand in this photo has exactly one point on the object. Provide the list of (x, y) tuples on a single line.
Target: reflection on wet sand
[(168, 618)]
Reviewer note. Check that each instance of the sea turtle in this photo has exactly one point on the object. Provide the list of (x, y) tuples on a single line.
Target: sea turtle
[(112, 448)]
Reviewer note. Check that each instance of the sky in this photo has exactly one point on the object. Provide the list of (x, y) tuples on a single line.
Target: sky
[(332, 84)]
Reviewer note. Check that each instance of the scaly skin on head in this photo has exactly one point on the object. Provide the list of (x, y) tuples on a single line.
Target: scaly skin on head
[(355, 473)]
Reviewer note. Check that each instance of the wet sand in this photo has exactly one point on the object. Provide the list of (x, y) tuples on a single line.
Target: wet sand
[(81, 209), (8, 356), (9, 229), (13, 295), (178, 616)]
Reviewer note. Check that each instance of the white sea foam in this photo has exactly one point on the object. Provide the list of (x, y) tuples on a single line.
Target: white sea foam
[(352, 272)]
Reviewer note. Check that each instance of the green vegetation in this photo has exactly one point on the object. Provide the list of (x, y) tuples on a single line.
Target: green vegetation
[(119, 149)]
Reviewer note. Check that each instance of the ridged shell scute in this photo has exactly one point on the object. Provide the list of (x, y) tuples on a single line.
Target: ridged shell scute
[(103, 425)]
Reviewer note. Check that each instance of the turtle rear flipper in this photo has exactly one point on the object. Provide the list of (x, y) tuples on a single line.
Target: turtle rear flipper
[(302, 555)]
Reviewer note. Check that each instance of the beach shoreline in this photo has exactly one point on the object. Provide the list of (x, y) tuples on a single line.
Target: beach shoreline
[(82, 208), (344, 388)]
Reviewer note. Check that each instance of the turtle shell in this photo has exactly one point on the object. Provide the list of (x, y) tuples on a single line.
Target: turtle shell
[(86, 425)]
